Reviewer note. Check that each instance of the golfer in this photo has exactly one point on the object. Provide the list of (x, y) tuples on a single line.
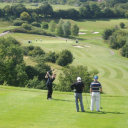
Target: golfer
[(78, 87), (49, 84), (95, 89)]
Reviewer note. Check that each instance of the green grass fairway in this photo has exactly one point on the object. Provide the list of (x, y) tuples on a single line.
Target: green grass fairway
[(28, 108), (113, 69)]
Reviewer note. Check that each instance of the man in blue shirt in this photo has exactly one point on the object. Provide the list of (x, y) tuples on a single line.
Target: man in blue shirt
[(49, 84), (95, 89), (78, 86)]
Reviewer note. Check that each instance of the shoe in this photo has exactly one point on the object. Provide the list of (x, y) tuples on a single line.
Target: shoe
[(83, 111), (77, 110), (98, 111), (49, 98)]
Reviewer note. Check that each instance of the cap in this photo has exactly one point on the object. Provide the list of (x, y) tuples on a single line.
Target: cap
[(95, 77), (78, 78)]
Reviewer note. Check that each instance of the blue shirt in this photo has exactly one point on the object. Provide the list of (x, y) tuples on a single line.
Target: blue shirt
[(95, 86)]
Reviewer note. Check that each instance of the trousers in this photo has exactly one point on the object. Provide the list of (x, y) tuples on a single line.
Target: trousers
[(95, 99), (50, 90), (79, 96)]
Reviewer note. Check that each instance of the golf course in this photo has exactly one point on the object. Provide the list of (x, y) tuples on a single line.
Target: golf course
[(29, 108)]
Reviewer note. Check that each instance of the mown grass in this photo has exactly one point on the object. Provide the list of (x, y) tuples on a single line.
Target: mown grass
[(29, 108), (22, 107)]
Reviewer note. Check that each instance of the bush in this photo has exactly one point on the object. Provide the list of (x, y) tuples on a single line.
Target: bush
[(50, 57), (36, 24), (42, 85), (31, 72), (19, 30), (36, 51), (70, 75), (107, 33), (18, 22), (65, 58), (44, 25), (26, 26), (32, 83), (122, 25), (25, 50)]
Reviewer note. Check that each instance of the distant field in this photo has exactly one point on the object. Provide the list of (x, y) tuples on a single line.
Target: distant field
[(32, 6)]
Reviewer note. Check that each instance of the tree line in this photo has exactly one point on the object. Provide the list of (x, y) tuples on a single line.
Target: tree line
[(88, 10), (117, 39)]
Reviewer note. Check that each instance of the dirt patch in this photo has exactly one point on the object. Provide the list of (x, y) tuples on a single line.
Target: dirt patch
[(81, 33), (77, 46), (95, 32), (87, 46)]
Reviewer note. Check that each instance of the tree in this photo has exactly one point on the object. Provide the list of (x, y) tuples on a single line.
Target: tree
[(46, 10), (7, 10), (52, 26), (59, 28), (84, 13), (26, 26), (18, 9), (126, 14), (44, 25), (25, 16), (70, 74), (11, 60), (35, 17), (72, 14), (122, 25), (124, 50), (107, 33), (66, 28), (75, 30), (65, 58)]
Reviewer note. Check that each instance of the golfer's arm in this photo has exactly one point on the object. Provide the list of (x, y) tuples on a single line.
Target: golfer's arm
[(46, 76), (50, 76), (90, 90), (100, 89)]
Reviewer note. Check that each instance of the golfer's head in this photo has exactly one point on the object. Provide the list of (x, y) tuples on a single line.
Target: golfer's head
[(95, 78), (54, 75), (79, 79)]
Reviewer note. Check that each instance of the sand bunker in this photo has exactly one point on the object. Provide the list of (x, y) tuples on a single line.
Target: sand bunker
[(77, 46), (95, 32), (81, 33), (87, 46)]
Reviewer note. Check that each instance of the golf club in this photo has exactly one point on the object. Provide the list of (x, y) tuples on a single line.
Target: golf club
[(100, 104), (51, 70), (87, 101)]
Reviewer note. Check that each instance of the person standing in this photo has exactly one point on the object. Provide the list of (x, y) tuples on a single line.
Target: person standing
[(49, 84), (95, 89), (78, 87)]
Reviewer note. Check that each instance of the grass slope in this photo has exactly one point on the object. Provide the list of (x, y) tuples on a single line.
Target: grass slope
[(113, 69), (29, 108)]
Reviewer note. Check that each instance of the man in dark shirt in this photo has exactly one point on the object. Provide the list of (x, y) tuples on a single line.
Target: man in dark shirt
[(95, 89), (78, 87), (49, 84)]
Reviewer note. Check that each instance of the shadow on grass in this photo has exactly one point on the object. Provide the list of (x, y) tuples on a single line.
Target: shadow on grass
[(103, 112), (64, 100)]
